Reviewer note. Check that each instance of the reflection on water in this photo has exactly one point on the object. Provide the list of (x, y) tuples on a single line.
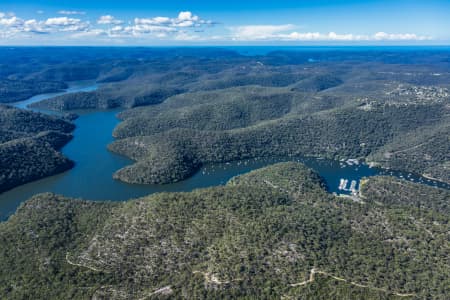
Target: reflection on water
[(91, 178)]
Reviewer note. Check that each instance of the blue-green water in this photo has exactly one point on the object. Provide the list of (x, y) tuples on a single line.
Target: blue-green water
[(91, 178)]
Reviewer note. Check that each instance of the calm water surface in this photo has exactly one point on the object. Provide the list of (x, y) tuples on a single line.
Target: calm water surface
[(79, 86), (91, 178)]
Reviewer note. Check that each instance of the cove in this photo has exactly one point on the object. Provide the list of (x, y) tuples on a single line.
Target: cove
[(91, 178)]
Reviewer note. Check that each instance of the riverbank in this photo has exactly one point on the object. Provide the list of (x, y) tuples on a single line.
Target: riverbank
[(29, 146), (91, 177), (279, 221)]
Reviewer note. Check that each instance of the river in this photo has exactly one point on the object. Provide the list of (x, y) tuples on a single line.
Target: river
[(91, 178)]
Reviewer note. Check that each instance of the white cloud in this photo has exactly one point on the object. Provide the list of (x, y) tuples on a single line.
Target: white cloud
[(142, 27), (65, 24), (186, 16), (286, 33), (34, 26), (310, 36), (379, 36), (71, 12), (184, 19), (117, 28), (90, 33), (159, 21), (185, 36), (13, 21), (161, 27), (185, 26), (62, 21), (9, 20), (12, 25), (259, 32), (108, 19)]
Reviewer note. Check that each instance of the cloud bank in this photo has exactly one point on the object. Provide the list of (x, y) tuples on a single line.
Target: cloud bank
[(108, 19), (286, 33), (186, 26), (11, 25)]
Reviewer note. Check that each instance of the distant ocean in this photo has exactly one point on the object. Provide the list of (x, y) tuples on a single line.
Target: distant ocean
[(262, 50)]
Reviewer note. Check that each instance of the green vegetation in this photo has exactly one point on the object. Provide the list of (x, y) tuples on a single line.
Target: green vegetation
[(393, 192), (17, 90), (397, 125), (390, 108), (19, 120), (34, 244), (107, 98), (387, 107), (339, 133), (423, 151), (271, 233), (28, 146), (231, 108)]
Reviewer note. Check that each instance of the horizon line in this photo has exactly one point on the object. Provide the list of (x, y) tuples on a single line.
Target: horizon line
[(228, 45)]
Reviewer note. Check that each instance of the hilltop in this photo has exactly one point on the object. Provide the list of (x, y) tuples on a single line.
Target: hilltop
[(184, 108), (29, 144), (391, 112), (274, 232)]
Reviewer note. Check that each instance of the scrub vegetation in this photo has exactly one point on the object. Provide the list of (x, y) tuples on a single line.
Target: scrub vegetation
[(274, 232)]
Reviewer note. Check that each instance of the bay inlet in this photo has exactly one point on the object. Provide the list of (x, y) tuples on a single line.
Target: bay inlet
[(91, 178)]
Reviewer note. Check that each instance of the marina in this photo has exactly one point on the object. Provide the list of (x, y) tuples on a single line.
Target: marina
[(91, 178)]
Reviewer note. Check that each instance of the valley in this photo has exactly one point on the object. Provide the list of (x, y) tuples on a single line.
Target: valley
[(205, 173)]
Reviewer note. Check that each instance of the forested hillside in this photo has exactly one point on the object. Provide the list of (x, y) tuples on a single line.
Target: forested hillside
[(389, 107), (29, 144), (272, 233)]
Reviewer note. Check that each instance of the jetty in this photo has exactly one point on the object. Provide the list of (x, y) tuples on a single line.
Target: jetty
[(343, 183)]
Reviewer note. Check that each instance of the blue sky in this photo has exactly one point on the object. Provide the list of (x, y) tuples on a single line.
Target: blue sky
[(244, 22)]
